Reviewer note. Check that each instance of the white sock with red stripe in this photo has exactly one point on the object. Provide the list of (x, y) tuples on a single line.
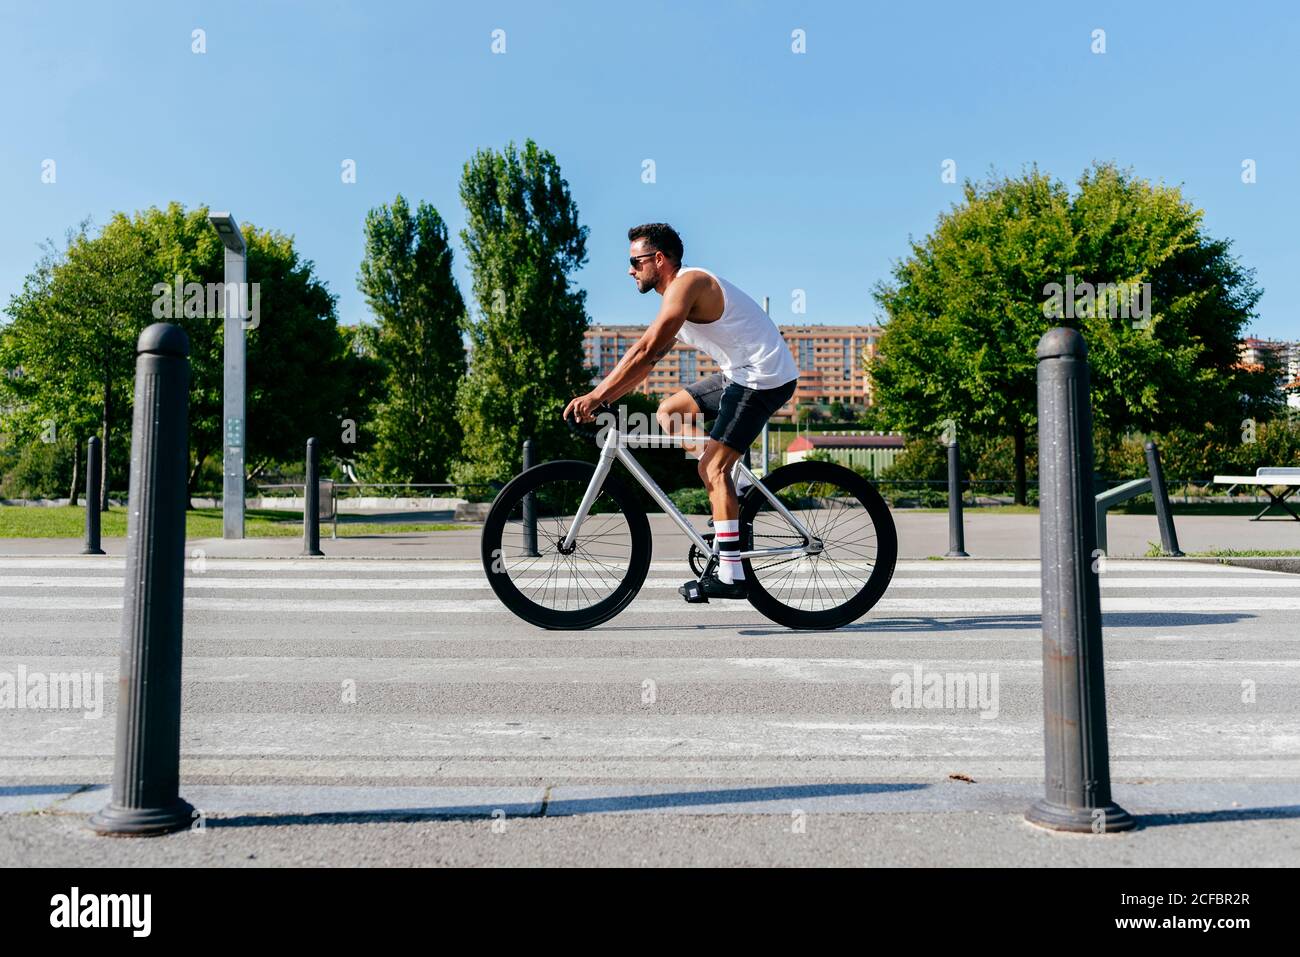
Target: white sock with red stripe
[(727, 532)]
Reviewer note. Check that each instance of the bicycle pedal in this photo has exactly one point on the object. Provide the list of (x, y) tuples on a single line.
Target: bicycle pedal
[(692, 593)]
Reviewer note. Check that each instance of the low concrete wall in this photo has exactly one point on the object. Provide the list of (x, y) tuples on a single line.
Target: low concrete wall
[(55, 502), (350, 506), (472, 511)]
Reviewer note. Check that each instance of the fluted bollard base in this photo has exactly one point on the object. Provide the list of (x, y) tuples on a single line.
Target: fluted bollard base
[(114, 821), (1107, 819)]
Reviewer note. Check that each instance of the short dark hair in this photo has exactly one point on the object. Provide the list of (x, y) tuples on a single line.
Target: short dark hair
[(659, 236)]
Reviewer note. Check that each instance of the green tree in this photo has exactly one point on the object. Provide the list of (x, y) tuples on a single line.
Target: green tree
[(967, 307), (302, 378), (524, 240), (73, 328), (922, 459), (807, 413), (363, 378), (35, 469), (1181, 368), (407, 281), (869, 417), (72, 342)]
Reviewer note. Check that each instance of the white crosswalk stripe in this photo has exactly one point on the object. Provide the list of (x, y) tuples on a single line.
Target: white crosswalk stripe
[(412, 671)]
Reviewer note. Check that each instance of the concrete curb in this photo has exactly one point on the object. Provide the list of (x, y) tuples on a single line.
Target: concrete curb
[(1245, 800)]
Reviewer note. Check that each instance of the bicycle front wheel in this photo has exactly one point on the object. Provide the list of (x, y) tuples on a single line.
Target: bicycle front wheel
[(549, 585), (859, 545)]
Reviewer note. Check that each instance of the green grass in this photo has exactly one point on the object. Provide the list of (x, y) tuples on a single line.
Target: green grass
[(67, 521), (352, 529), (1154, 552)]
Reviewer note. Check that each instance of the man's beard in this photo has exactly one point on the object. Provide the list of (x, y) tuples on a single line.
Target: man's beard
[(647, 285)]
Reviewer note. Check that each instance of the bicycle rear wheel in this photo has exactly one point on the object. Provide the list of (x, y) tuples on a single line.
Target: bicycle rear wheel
[(843, 511), (573, 588)]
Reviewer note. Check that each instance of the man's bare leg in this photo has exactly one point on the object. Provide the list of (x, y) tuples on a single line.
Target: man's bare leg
[(715, 471), (679, 415)]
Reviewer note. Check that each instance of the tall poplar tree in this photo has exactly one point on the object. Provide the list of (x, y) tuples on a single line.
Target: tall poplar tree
[(526, 361), (407, 281)]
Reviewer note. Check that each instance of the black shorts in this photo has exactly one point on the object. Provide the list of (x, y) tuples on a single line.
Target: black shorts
[(739, 412)]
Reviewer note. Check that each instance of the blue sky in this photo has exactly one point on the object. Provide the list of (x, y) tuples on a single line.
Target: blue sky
[(782, 171)]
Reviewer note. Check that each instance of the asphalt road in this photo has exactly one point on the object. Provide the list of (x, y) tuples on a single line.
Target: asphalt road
[(391, 711)]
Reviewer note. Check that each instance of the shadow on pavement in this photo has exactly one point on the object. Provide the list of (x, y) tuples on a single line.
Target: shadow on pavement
[(21, 790), (415, 815), (1131, 619), (1214, 817), (617, 803), (680, 799)]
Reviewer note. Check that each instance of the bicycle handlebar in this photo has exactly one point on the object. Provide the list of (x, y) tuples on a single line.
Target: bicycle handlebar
[(587, 430)]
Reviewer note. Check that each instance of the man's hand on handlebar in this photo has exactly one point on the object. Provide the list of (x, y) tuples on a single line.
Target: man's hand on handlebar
[(584, 408)]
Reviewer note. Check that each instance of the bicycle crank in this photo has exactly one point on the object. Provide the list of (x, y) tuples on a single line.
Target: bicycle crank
[(697, 559)]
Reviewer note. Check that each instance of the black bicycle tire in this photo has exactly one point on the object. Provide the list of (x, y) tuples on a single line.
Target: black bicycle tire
[(886, 556), (515, 600)]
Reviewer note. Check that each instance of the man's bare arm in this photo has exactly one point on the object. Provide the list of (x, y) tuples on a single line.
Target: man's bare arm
[(655, 343)]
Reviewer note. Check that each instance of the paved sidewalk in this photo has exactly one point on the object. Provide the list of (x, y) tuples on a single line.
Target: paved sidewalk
[(928, 824), (339, 711)]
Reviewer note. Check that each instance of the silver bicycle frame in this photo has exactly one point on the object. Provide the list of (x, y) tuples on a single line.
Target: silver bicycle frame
[(616, 448)]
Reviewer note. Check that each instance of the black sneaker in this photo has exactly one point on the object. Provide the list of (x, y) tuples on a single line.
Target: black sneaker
[(710, 586)]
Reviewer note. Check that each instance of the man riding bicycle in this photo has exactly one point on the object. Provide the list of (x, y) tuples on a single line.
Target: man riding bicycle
[(758, 377)]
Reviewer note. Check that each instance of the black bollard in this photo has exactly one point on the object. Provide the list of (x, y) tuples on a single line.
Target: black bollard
[(956, 526), (92, 498), (1164, 517), (530, 508), (311, 502), (1074, 694), (146, 768)]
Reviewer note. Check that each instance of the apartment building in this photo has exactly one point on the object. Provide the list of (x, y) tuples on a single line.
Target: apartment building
[(831, 361), (1251, 352)]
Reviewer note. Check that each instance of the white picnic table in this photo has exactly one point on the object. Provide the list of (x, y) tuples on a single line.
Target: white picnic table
[(1267, 478)]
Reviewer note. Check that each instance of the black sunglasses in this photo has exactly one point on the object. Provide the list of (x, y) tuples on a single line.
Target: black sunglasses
[(632, 259)]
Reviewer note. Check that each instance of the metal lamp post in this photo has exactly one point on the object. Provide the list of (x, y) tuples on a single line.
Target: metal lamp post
[(232, 459)]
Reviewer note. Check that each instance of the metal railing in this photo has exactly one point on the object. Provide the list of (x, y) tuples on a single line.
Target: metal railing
[(450, 486), (992, 492), (900, 493)]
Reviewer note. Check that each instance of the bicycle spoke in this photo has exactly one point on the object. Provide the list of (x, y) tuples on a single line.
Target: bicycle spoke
[(836, 574), (596, 566)]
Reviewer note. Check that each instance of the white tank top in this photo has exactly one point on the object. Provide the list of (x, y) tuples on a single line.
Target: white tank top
[(744, 342)]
